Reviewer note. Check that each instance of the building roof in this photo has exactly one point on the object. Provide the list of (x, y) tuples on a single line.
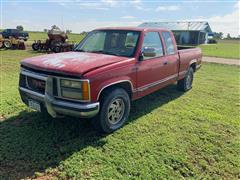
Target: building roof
[(180, 25)]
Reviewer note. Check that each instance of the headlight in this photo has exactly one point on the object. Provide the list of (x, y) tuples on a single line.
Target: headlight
[(77, 90)]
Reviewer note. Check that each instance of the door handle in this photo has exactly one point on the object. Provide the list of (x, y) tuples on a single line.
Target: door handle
[(165, 63)]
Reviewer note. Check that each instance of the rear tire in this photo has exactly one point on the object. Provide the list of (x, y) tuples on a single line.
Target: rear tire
[(114, 110), (185, 84)]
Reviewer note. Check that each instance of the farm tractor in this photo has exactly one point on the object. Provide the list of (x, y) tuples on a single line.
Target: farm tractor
[(56, 42), (11, 43)]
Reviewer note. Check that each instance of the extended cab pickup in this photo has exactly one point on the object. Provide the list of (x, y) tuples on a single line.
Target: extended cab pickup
[(108, 69)]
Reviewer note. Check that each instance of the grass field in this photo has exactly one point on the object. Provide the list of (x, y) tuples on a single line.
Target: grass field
[(43, 36), (224, 48), (169, 134)]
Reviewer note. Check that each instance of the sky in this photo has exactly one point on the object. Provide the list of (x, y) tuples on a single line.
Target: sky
[(80, 15)]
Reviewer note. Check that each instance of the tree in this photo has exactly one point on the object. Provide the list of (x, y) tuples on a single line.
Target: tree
[(229, 36), (45, 30), (218, 35), (68, 31), (54, 27), (83, 33), (19, 27)]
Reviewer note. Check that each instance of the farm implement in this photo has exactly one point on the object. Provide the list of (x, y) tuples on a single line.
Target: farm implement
[(57, 42), (11, 43)]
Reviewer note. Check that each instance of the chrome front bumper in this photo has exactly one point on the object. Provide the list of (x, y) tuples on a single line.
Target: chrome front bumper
[(58, 107)]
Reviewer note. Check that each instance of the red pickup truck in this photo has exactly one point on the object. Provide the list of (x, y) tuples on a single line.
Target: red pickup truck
[(108, 68)]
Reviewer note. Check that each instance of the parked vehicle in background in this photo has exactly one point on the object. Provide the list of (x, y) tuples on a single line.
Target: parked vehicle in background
[(108, 69), (15, 33)]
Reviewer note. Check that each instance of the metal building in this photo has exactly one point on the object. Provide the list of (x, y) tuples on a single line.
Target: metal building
[(186, 33)]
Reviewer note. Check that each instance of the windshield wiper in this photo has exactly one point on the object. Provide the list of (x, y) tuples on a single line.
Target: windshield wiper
[(100, 51), (106, 52), (79, 50)]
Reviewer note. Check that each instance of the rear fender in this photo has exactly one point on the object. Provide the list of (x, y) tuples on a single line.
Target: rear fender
[(192, 62)]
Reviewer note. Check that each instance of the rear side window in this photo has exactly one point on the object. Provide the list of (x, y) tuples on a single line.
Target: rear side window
[(152, 40), (169, 43)]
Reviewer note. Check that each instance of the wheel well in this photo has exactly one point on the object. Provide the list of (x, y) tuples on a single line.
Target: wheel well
[(124, 85), (193, 65)]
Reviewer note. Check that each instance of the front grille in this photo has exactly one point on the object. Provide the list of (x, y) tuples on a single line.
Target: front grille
[(36, 84), (22, 80)]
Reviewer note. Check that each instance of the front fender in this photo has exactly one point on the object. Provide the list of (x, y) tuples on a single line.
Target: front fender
[(113, 81)]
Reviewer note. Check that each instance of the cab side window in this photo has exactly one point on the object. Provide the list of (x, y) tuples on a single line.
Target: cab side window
[(169, 43), (152, 40)]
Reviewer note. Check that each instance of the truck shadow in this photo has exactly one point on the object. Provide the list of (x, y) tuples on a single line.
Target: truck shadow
[(32, 142)]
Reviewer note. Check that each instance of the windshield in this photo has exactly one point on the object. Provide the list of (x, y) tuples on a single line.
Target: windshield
[(114, 42)]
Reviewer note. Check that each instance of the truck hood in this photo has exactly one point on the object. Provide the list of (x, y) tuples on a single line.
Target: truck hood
[(72, 63)]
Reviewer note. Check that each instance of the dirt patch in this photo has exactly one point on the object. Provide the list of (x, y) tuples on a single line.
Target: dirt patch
[(221, 60)]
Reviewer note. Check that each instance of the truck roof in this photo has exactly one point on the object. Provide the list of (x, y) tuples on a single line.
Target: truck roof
[(133, 28)]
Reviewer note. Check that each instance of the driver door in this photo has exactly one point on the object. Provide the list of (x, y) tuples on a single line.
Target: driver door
[(151, 69)]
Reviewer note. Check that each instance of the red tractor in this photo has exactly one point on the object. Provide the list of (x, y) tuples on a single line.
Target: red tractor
[(56, 42)]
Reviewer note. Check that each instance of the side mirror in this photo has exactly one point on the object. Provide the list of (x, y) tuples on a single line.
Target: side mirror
[(149, 52)]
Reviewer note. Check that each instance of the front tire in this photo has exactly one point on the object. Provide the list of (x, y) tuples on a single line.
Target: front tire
[(7, 44), (35, 46), (57, 49), (185, 84), (114, 110)]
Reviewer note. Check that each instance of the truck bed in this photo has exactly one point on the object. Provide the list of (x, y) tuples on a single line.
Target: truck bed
[(188, 55)]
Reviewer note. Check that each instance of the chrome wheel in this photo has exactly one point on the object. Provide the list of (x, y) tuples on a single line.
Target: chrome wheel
[(116, 111), (189, 79), (7, 44)]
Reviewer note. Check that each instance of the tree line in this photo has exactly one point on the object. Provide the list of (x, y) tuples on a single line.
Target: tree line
[(219, 35)]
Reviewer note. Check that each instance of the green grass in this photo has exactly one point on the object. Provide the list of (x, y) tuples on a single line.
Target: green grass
[(43, 36), (72, 38), (169, 135), (224, 49)]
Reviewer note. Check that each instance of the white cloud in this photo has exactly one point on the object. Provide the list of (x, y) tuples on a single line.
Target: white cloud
[(75, 26), (111, 3), (91, 5), (83, 26), (137, 4), (228, 23), (237, 5), (128, 17), (167, 8), (103, 5)]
